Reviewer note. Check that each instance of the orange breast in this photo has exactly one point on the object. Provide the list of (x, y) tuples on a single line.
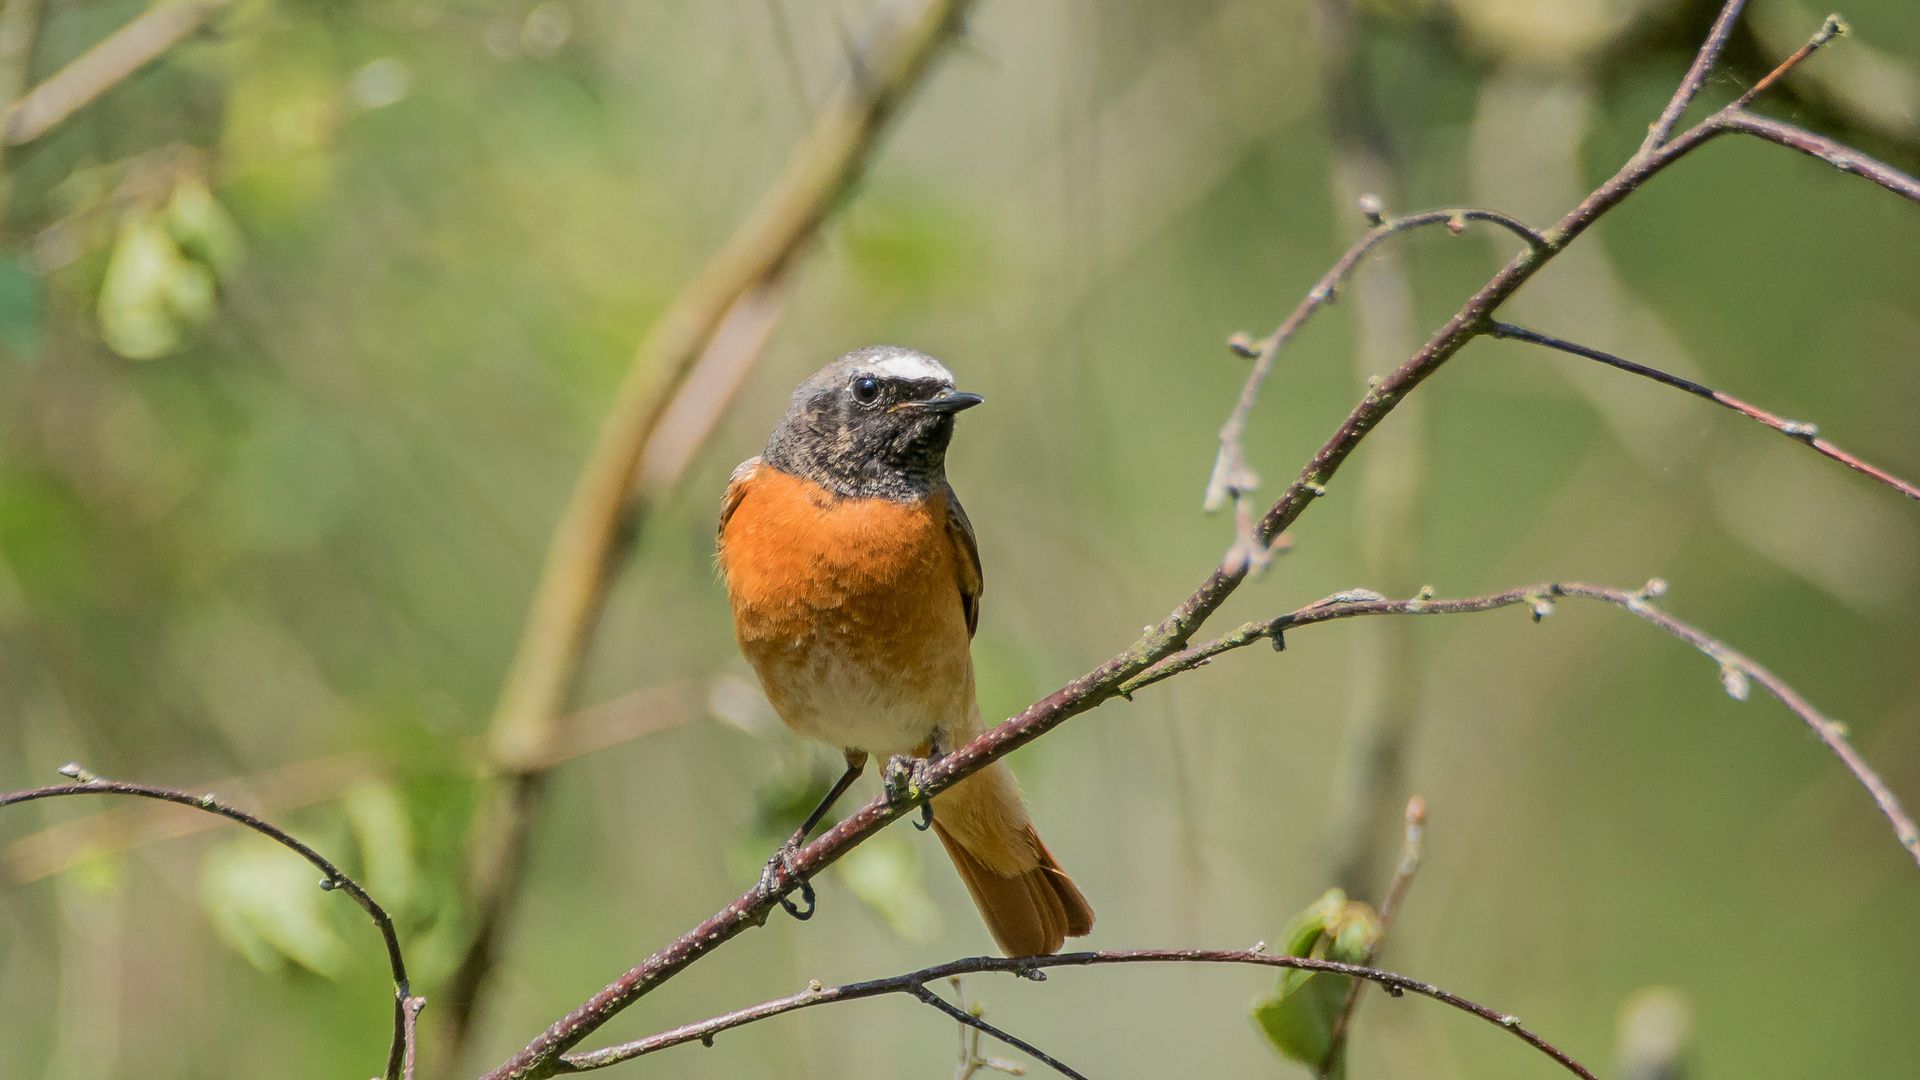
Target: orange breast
[(850, 611)]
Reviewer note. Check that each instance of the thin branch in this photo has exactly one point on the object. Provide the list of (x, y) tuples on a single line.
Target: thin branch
[(1027, 966), (1736, 669), (19, 22), (1799, 431), (105, 66), (410, 1019), (1696, 77), (59, 847), (929, 997), (971, 1059), (1231, 476), (602, 513), (1411, 844), (1412, 849), (405, 1004), (1830, 29), (1834, 153), (1159, 642)]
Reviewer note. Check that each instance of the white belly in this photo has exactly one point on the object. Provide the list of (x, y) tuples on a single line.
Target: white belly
[(824, 695)]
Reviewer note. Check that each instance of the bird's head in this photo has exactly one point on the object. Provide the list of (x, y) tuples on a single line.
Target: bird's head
[(873, 424)]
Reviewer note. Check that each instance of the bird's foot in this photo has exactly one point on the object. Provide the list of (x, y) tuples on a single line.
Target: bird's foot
[(779, 866), (905, 781)]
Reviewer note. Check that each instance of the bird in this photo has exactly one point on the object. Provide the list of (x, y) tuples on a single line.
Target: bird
[(855, 581)]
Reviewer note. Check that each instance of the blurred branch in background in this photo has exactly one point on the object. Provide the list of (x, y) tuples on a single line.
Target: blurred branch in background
[(102, 67), (19, 21), (915, 983), (1386, 663), (406, 1007), (726, 313), (61, 847)]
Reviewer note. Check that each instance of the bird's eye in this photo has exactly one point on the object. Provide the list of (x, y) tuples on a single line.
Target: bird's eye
[(866, 389)]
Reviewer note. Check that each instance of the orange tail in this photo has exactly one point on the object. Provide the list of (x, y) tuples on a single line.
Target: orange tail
[(1030, 905)]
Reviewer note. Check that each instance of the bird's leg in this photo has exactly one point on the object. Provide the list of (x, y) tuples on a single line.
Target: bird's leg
[(783, 855), (906, 776)]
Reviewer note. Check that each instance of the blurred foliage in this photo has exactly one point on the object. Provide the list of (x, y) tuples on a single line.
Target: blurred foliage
[(390, 257)]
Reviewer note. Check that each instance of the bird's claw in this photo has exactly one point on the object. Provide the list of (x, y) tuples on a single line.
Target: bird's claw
[(783, 860), (906, 780)]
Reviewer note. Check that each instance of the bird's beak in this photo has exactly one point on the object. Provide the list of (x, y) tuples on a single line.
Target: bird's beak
[(949, 401)]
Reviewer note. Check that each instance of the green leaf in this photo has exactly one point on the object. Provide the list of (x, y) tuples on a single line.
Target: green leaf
[(1306, 928), (1298, 1018), (152, 291)]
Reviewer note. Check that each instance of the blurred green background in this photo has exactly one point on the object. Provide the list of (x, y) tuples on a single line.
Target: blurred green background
[(306, 327)]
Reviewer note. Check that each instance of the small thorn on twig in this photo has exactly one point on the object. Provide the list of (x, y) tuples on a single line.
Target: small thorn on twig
[(1372, 210)]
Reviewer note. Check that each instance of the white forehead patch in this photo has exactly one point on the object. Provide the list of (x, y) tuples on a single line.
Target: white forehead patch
[(908, 365)]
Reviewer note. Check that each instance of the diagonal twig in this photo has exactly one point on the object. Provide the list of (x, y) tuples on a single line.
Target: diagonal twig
[(1799, 431), (1829, 30), (104, 66), (1028, 966), (1696, 77), (929, 997), (405, 1005)]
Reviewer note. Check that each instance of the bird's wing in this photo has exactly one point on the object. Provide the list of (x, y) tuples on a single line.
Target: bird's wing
[(967, 562), (736, 490)]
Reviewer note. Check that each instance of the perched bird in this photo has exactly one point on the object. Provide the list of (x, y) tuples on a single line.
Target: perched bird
[(855, 584)]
